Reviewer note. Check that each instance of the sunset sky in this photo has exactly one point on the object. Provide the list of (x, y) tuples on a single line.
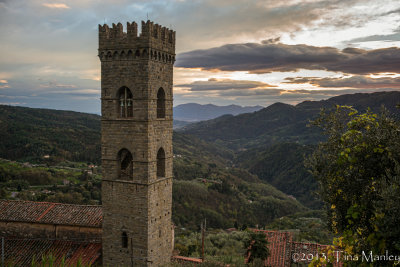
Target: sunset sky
[(228, 52)]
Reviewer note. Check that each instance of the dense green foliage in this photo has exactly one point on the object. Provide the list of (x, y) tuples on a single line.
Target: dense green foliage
[(53, 184), (241, 204), (192, 148), (235, 171), (215, 243), (309, 226), (282, 165), (358, 172), (219, 246), (276, 123), (206, 185), (226, 198), (30, 134), (256, 246)]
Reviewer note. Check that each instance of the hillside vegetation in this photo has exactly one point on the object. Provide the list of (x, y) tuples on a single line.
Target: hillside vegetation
[(282, 165), (30, 134), (233, 170), (206, 184), (273, 142), (282, 122)]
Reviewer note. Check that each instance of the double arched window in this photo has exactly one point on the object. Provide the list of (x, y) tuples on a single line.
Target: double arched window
[(125, 164), (161, 103), (125, 102), (161, 163)]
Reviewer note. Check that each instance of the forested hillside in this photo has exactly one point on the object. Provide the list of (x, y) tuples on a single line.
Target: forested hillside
[(206, 184), (273, 142), (234, 170), (282, 165), (282, 122), (30, 134)]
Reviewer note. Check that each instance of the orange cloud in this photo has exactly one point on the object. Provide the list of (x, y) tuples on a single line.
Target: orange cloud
[(4, 84), (56, 5), (357, 81), (213, 84)]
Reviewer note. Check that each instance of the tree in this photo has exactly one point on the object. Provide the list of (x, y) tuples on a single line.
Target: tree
[(357, 169), (256, 246)]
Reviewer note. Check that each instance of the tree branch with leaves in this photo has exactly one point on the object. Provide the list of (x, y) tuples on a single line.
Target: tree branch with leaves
[(357, 169)]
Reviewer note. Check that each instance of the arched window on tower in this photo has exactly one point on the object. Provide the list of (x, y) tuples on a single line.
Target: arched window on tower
[(125, 102), (125, 164), (161, 103), (161, 163)]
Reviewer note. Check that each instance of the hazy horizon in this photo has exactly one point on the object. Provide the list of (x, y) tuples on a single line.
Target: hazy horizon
[(228, 52)]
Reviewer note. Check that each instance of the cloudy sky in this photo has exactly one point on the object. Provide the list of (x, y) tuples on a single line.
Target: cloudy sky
[(228, 52)]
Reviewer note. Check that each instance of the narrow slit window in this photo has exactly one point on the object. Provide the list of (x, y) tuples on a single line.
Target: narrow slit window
[(124, 240), (161, 163), (161, 103)]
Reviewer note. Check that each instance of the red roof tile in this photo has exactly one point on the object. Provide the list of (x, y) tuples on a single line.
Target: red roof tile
[(51, 213), (284, 251), (21, 252), (186, 259), (279, 248)]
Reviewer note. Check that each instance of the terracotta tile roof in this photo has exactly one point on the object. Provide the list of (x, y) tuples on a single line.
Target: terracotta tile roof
[(284, 251), (279, 248), (20, 252), (182, 259), (51, 213)]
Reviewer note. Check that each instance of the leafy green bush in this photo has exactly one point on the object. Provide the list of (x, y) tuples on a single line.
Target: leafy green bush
[(358, 172)]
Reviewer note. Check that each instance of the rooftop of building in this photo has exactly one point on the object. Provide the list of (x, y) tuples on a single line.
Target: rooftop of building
[(51, 213), (21, 252)]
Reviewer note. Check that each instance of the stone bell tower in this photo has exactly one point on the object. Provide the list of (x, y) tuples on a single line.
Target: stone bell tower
[(136, 141)]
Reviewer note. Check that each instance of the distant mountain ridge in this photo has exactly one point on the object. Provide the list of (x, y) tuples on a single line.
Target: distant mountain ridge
[(193, 112), (281, 122)]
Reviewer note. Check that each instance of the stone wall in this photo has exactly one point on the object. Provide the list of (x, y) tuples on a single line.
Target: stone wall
[(136, 208)]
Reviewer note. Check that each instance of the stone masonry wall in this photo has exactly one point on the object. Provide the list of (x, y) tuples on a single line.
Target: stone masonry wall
[(137, 210)]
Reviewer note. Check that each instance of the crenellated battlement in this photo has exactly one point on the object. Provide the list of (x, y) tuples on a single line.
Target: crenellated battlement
[(152, 36)]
